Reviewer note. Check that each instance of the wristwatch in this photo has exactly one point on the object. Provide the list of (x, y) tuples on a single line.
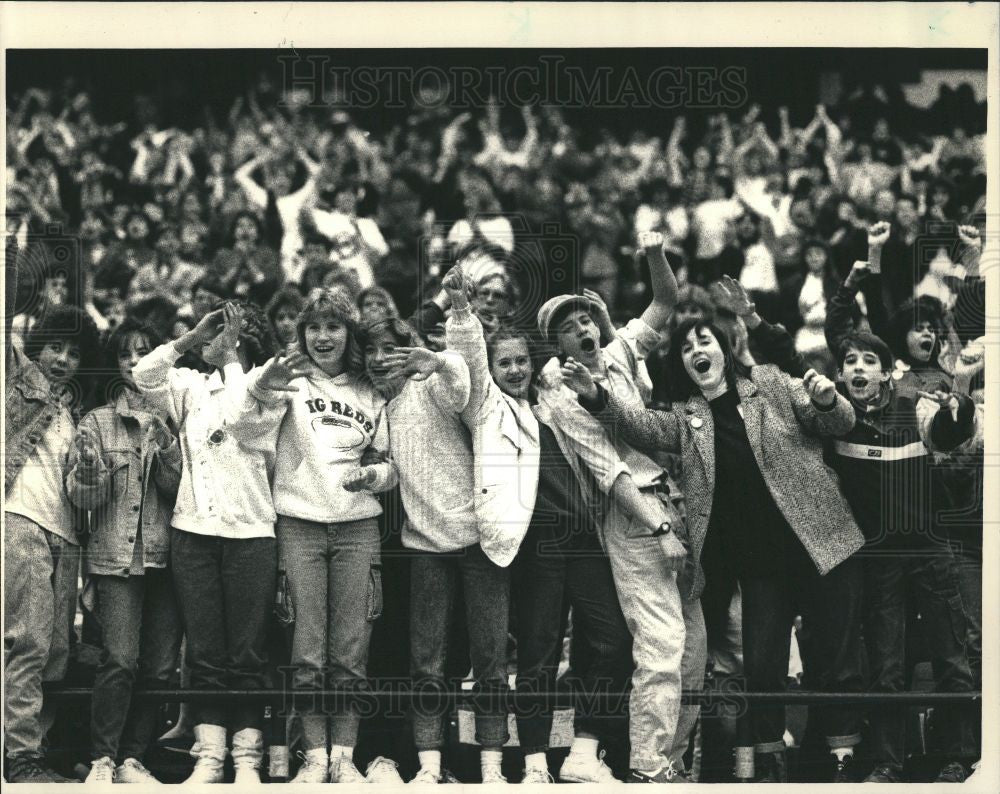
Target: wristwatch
[(663, 529)]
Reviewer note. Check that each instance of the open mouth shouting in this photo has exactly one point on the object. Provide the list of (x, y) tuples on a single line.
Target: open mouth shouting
[(588, 345), (859, 383), (701, 365), (927, 344)]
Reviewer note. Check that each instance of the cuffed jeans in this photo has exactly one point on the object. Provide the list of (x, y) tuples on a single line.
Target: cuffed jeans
[(830, 606), (40, 578), (225, 591), (434, 583), (651, 604), (540, 578), (334, 572), (931, 580), (142, 637)]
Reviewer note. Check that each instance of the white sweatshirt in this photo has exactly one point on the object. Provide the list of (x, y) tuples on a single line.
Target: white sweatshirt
[(227, 449), (325, 428)]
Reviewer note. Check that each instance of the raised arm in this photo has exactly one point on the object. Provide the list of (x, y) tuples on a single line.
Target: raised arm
[(243, 176), (464, 335), (663, 280)]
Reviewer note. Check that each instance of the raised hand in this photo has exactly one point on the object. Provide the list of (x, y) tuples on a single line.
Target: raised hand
[(359, 479), (454, 280), (970, 362), (232, 324), (416, 363), (729, 294), (278, 373), (651, 243), (820, 388), (969, 235), (943, 398), (205, 331), (878, 233), (859, 272), (579, 379)]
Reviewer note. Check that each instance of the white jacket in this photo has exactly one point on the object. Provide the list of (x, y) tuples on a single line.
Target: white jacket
[(227, 446), (505, 446)]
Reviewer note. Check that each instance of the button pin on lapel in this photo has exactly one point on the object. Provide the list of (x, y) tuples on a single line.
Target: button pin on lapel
[(696, 422)]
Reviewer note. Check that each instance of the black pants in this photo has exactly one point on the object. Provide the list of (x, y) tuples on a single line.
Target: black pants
[(542, 578), (830, 606), (932, 582), (225, 591)]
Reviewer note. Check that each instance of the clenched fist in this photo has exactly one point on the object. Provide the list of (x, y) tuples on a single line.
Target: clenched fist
[(821, 389)]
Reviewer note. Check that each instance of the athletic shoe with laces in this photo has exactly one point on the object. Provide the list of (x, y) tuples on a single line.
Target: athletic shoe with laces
[(666, 775), (425, 777), (844, 770), (952, 773), (383, 770), (492, 776), (343, 770), (101, 771), (314, 768), (132, 771), (882, 774), (581, 768), (537, 776)]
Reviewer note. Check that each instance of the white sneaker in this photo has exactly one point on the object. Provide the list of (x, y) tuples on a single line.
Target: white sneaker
[(132, 771), (315, 768), (492, 776), (248, 755), (586, 769), (343, 770), (101, 771), (537, 776), (425, 777), (383, 770), (210, 750)]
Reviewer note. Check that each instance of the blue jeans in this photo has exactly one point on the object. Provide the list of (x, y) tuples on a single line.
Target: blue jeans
[(225, 591), (931, 580), (334, 573), (540, 579), (40, 577), (435, 580), (142, 638)]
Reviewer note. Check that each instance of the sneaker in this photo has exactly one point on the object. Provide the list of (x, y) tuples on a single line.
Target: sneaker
[(314, 768), (425, 776), (134, 772), (383, 770), (343, 770), (101, 771), (586, 769), (537, 776), (882, 774), (27, 769), (492, 776), (844, 770), (667, 775), (952, 773)]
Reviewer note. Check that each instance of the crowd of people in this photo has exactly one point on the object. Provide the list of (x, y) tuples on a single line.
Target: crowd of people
[(699, 398)]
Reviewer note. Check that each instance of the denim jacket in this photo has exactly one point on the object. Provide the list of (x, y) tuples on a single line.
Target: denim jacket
[(29, 408), (136, 481)]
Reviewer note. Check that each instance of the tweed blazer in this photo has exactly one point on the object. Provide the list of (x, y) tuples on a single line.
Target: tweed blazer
[(785, 430)]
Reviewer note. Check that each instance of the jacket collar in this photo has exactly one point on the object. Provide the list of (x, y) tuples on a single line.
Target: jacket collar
[(28, 378), (698, 414)]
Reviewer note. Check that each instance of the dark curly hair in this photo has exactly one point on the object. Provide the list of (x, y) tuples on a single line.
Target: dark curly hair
[(70, 324), (925, 309)]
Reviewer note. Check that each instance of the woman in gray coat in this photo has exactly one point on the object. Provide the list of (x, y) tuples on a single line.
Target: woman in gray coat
[(763, 510)]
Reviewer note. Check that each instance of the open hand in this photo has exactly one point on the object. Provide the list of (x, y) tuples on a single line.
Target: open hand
[(278, 373), (579, 379), (416, 363), (820, 388), (729, 294), (944, 399)]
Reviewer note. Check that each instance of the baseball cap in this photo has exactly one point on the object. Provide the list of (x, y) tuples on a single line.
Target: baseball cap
[(557, 305)]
